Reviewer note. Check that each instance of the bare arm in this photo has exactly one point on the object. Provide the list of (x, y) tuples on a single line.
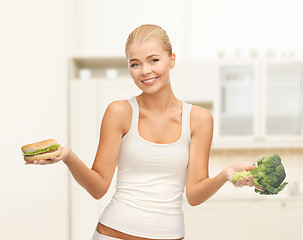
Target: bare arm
[(199, 187), (97, 180), (89, 179)]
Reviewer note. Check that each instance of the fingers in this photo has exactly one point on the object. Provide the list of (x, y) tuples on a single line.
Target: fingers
[(41, 162), (246, 181), (250, 182), (257, 187), (241, 182), (56, 159)]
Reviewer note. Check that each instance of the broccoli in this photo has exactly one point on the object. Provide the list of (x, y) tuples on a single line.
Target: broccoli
[(269, 175)]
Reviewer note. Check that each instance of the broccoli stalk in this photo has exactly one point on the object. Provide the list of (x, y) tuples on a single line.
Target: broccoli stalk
[(269, 175)]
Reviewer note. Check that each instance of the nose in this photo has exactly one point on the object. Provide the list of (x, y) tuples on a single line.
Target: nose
[(146, 69)]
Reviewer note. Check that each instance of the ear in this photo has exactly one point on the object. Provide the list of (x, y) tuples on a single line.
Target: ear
[(173, 60)]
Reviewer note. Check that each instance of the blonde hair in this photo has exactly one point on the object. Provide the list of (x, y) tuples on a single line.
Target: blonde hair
[(146, 32)]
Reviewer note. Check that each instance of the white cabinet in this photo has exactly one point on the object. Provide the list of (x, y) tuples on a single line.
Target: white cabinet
[(219, 220), (237, 99), (88, 101), (234, 219), (259, 102), (192, 81), (282, 98), (279, 220)]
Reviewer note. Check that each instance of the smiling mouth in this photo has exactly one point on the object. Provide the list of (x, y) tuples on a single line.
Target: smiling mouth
[(150, 80)]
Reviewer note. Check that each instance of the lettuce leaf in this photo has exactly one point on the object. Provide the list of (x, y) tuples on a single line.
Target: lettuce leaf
[(42, 150)]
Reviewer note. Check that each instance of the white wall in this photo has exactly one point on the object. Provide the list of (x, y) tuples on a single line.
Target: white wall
[(104, 25), (244, 25), (197, 28), (36, 41)]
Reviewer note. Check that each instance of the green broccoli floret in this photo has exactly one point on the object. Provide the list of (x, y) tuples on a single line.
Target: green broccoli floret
[(269, 175)]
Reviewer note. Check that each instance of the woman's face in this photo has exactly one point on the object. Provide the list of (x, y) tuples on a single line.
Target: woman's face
[(149, 65)]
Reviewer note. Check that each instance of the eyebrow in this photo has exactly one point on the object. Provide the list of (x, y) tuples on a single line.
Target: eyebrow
[(150, 56)]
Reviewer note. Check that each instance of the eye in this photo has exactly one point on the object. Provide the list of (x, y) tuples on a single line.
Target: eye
[(134, 65), (155, 60)]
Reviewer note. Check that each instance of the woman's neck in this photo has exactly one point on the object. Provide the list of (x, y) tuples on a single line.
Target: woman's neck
[(159, 102)]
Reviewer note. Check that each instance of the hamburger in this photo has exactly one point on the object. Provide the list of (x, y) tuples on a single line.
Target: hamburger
[(41, 150)]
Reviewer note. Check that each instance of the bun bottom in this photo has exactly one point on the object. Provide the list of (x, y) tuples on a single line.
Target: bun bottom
[(43, 156)]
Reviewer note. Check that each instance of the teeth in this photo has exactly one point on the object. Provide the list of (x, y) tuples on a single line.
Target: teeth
[(150, 80)]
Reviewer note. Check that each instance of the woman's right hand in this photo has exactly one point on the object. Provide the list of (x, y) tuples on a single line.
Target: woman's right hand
[(64, 156), (246, 181)]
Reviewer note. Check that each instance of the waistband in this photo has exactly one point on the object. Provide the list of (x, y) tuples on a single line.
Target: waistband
[(98, 236)]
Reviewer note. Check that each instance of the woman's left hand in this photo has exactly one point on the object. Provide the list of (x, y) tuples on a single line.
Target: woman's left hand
[(64, 156), (246, 181)]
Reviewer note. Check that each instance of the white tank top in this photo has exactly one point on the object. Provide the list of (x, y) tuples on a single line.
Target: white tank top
[(151, 179)]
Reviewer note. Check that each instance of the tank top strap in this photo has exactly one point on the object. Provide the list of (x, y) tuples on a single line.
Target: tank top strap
[(186, 121), (135, 112)]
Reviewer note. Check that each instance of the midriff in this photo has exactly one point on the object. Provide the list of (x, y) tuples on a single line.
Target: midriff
[(107, 231)]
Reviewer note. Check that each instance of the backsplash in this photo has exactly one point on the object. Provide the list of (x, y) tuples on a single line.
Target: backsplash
[(291, 158)]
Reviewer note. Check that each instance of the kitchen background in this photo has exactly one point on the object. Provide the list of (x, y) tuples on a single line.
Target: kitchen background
[(63, 61)]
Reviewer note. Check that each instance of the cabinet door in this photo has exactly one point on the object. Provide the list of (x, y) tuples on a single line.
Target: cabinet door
[(219, 220), (236, 100), (279, 220), (283, 99)]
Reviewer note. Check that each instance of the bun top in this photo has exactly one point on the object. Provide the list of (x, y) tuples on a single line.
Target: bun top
[(38, 145)]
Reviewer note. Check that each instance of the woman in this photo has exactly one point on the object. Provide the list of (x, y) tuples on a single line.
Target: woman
[(159, 143)]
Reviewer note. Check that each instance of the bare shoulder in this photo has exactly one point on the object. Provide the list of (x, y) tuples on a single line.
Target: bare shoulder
[(119, 108), (119, 112), (200, 113), (200, 118)]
